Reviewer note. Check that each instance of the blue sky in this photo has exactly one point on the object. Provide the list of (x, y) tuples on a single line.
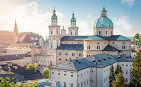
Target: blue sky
[(34, 15)]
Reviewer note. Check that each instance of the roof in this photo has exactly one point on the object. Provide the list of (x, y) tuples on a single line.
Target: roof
[(25, 39), (112, 37), (103, 22), (110, 48), (98, 60), (71, 46), (71, 38)]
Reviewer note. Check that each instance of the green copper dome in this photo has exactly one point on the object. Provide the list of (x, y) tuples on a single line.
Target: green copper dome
[(73, 18), (54, 17), (103, 22)]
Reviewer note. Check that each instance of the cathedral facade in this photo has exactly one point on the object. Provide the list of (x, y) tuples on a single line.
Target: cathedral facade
[(68, 46)]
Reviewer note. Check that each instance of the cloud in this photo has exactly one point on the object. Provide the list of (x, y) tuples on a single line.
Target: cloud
[(129, 2), (122, 26), (27, 17)]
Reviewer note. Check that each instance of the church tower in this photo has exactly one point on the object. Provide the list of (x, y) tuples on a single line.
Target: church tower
[(103, 26), (15, 33), (54, 32), (73, 30)]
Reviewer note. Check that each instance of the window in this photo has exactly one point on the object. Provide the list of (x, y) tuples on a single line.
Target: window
[(123, 47), (59, 53), (106, 32), (51, 46), (111, 32), (75, 33), (60, 59), (81, 84), (71, 84), (52, 72), (65, 84), (99, 32), (64, 74), (126, 71), (71, 33), (71, 75), (80, 54), (84, 82), (51, 32), (73, 54), (98, 47), (66, 59), (58, 73), (87, 81), (88, 47), (66, 54)]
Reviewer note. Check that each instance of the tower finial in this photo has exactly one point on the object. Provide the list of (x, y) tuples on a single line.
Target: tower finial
[(103, 12)]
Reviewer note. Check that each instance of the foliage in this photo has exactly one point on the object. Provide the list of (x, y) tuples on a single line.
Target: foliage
[(46, 73), (112, 76), (118, 69), (136, 71), (7, 83), (31, 67), (119, 81), (136, 38)]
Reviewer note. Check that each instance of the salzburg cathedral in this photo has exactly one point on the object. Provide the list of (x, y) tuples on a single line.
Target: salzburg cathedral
[(68, 46)]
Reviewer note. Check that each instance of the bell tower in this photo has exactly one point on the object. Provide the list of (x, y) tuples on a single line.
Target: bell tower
[(73, 30), (54, 32)]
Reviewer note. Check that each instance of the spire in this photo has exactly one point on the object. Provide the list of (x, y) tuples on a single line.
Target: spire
[(54, 17), (103, 12), (54, 10), (15, 29), (73, 18)]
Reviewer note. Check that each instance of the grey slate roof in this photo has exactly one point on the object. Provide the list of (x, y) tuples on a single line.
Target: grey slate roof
[(112, 37), (71, 47), (70, 38), (99, 60), (110, 48)]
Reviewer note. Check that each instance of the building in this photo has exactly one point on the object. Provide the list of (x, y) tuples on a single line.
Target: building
[(92, 71), (68, 46)]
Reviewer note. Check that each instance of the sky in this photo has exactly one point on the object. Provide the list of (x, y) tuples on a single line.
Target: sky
[(35, 15)]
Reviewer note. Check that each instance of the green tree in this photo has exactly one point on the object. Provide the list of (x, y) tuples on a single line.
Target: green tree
[(136, 37), (31, 67), (46, 73), (111, 76), (139, 39), (5, 83), (136, 71), (119, 81), (118, 69)]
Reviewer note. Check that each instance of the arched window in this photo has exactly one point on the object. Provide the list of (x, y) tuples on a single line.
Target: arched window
[(57, 32), (71, 33), (51, 32), (106, 32), (99, 32)]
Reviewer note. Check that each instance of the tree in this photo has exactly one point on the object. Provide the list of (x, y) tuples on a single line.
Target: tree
[(136, 37), (7, 83), (136, 71), (46, 73), (31, 67), (118, 69), (112, 76), (119, 81)]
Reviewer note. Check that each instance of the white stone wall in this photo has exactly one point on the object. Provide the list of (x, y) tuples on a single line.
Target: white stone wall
[(61, 76)]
